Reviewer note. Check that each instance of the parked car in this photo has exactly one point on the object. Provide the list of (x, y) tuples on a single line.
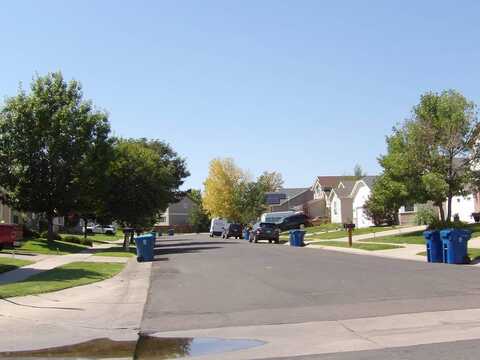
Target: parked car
[(217, 226), (293, 222), (232, 230), (99, 229), (265, 231)]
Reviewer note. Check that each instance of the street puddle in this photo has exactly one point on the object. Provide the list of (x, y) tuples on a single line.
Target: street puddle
[(147, 347)]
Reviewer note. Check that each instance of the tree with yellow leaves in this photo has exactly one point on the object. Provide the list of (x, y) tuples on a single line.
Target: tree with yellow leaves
[(224, 179)]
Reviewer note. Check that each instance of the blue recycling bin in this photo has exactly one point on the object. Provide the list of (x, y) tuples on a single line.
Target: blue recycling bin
[(246, 234), (434, 246), (145, 247), (455, 246), (296, 238)]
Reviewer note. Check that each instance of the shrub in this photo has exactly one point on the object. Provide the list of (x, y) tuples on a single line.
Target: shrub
[(44, 235), (77, 240), (29, 233), (426, 216)]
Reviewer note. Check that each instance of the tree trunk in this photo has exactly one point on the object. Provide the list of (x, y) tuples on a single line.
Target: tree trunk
[(50, 228), (449, 207), (442, 212), (85, 228)]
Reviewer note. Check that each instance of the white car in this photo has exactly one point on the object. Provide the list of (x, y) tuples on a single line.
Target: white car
[(99, 229), (217, 226)]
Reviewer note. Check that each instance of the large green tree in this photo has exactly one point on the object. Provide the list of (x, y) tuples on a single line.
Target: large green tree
[(249, 201), (48, 136), (142, 181), (433, 153)]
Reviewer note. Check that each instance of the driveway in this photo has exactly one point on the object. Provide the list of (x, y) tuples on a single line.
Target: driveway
[(199, 283)]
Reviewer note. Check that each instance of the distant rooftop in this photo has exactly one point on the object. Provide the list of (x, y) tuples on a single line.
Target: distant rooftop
[(282, 195)]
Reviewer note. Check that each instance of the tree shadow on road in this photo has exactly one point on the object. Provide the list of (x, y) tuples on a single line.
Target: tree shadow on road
[(192, 243), (183, 250)]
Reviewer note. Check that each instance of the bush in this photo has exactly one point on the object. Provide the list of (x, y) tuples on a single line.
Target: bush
[(426, 216), (44, 235), (29, 233), (77, 240)]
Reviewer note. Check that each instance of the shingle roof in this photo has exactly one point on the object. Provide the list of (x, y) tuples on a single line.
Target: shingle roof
[(331, 182), (370, 180), (283, 195), (346, 189)]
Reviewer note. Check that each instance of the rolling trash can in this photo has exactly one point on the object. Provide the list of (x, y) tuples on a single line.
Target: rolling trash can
[(434, 246), (296, 238), (455, 246), (246, 234), (145, 247)]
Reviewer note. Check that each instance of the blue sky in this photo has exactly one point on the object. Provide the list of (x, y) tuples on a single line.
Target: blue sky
[(306, 88)]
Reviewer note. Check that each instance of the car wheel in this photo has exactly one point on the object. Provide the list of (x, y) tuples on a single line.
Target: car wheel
[(255, 239), (277, 241), (1, 247), (250, 240), (269, 241)]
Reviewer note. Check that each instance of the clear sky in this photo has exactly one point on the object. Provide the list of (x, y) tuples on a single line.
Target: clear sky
[(306, 88)]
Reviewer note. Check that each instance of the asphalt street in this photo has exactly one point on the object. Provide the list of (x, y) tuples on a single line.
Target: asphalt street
[(199, 283)]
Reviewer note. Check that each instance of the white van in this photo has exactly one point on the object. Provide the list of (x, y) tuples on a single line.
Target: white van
[(216, 227), (275, 217)]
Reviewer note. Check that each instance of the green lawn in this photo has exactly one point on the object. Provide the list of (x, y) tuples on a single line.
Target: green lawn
[(41, 246), (343, 233), (100, 238), (8, 264), (411, 238), (356, 245), (116, 251), (63, 277), (318, 228), (473, 253)]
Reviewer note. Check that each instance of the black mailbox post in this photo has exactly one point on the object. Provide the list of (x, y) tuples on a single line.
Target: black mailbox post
[(349, 227)]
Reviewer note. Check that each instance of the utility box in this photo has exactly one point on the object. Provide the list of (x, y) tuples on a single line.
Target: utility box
[(8, 235)]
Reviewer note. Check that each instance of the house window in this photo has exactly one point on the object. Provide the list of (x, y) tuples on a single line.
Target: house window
[(409, 208), (335, 208), (458, 200), (162, 219), (15, 219)]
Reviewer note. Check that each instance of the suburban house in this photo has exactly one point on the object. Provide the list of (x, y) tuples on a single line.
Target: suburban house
[(346, 202), (288, 199), (360, 194), (176, 215), (319, 206), (340, 202)]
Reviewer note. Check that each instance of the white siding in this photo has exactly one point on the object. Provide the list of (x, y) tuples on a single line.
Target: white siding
[(336, 210), (359, 217), (464, 206)]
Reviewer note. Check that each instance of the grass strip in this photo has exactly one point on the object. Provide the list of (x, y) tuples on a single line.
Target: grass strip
[(343, 233), (356, 245), (9, 264), (63, 277), (116, 251)]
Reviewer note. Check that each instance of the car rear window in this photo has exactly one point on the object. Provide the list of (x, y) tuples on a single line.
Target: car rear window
[(267, 225), (234, 226)]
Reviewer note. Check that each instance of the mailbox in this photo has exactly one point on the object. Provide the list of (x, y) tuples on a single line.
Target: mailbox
[(349, 226)]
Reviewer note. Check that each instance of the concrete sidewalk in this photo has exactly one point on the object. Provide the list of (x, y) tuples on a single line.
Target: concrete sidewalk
[(107, 309)]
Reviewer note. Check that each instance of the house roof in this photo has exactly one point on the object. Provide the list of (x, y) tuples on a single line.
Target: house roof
[(369, 180), (347, 188), (283, 195), (331, 182)]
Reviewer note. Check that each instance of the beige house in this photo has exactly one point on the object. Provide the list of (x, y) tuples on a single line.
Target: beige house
[(176, 214)]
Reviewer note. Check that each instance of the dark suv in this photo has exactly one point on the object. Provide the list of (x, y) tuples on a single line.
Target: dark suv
[(293, 222), (232, 230), (265, 231)]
